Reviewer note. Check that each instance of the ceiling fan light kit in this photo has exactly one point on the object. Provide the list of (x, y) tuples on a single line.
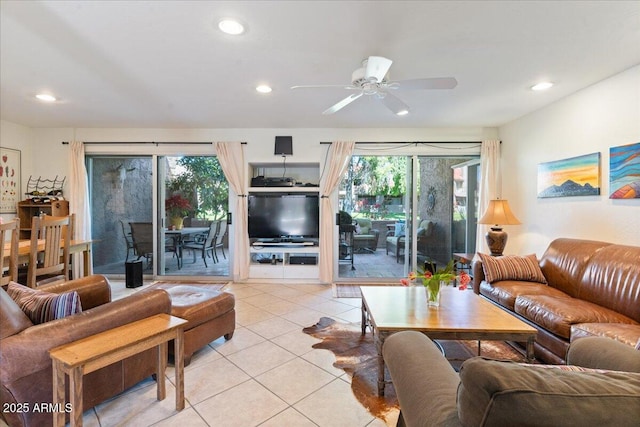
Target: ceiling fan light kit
[(370, 79)]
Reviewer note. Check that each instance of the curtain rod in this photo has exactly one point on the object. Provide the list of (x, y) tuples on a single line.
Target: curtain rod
[(412, 142), (143, 142)]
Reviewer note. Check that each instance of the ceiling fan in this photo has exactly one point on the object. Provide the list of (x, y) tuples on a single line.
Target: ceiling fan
[(370, 80)]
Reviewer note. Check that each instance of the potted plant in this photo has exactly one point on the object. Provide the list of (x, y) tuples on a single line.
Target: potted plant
[(177, 207), (433, 280)]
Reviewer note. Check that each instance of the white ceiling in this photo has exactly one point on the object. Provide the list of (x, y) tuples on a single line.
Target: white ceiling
[(164, 63)]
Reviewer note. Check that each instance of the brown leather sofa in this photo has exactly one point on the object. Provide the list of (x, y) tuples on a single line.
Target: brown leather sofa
[(593, 289), (25, 365)]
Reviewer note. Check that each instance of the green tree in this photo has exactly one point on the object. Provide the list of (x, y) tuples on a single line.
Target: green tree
[(204, 184), (379, 176)]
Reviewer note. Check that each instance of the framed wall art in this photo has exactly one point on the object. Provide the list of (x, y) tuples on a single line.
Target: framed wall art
[(10, 173), (624, 172), (575, 176)]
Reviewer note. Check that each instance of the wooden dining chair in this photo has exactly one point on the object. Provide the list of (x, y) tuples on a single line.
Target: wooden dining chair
[(9, 249), (52, 264)]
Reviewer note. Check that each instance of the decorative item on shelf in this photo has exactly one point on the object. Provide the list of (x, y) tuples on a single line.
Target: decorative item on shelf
[(433, 282), (177, 207), (498, 213)]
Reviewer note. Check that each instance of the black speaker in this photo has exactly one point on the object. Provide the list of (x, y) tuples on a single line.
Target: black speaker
[(133, 273), (284, 146)]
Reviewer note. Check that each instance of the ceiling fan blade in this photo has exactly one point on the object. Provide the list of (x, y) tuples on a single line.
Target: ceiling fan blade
[(395, 104), (341, 104), (377, 67), (323, 86), (425, 84)]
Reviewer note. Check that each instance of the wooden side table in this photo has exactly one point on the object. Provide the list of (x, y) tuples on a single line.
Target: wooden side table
[(97, 351)]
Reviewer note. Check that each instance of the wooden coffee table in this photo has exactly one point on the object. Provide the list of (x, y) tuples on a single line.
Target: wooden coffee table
[(462, 315)]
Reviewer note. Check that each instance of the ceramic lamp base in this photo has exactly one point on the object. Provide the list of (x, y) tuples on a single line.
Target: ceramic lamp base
[(496, 240)]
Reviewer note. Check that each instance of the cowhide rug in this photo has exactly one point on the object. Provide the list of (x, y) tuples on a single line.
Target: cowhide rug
[(356, 355)]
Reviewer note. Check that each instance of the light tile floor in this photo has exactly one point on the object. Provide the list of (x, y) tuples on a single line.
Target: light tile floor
[(266, 375)]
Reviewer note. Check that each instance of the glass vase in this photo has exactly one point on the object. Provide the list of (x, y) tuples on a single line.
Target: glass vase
[(433, 293)]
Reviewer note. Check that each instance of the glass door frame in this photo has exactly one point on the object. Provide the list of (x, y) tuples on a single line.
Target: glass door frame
[(157, 152), (413, 152)]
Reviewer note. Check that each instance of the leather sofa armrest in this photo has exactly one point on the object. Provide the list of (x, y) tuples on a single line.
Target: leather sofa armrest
[(93, 290), (425, 382), (478, 275), (28, 351), (603, 353)]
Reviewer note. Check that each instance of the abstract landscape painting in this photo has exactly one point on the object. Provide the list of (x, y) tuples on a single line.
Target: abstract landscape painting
[(624, 172), (575, 176)]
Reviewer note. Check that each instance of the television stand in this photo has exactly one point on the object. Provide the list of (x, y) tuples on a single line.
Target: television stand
[(292, 260)]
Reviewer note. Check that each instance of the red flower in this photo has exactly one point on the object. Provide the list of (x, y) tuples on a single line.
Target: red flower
[(177, 206)]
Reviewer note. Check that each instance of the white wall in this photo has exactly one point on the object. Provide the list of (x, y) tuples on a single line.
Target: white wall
[(604, 115)]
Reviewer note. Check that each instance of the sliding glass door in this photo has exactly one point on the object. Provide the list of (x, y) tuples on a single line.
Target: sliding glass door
[(194, 206), (121, 193), (182, 231), (402, 213)]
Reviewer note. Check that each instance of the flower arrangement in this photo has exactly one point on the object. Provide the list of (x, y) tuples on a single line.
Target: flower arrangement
[(433, 280), (177, 206)]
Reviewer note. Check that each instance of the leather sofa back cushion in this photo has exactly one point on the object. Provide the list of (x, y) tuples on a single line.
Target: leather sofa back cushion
[(12, 319), (564, 261), (41, 306), (511, 267), (612, 280), (499, 393)]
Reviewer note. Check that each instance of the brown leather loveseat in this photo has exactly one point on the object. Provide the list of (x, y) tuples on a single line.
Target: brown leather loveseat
[(592, 289), (25, 365)]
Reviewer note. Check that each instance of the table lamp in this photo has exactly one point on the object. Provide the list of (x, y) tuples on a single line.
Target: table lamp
[(498, 213)]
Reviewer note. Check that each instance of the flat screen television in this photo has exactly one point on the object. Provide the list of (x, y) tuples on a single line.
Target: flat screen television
[(288, 215)]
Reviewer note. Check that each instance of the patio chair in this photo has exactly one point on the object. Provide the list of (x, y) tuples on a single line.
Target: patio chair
[(9, 233), (219, 243), (142, 238), (128, 240), (366, 237), (205, 244)]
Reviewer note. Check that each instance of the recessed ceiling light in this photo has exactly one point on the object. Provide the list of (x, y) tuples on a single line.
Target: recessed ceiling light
[(263, 89), (231, 26), (542, 86), (45, 97), (402, 113)]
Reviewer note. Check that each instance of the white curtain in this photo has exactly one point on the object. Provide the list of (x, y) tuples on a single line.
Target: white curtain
[(339, 157), (78, 196), (490, 186), (231, 158)]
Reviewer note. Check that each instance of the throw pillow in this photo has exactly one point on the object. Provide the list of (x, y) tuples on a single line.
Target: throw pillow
[(42, 306), (399, 229), (511, 267), (495, 393)]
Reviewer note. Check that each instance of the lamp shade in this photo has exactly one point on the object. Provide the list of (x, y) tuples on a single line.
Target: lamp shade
[(499, 213)]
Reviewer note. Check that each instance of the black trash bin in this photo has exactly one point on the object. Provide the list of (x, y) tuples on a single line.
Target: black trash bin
[(133, 273)]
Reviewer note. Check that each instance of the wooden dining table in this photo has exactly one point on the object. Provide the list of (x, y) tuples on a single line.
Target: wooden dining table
[(75, 247)]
